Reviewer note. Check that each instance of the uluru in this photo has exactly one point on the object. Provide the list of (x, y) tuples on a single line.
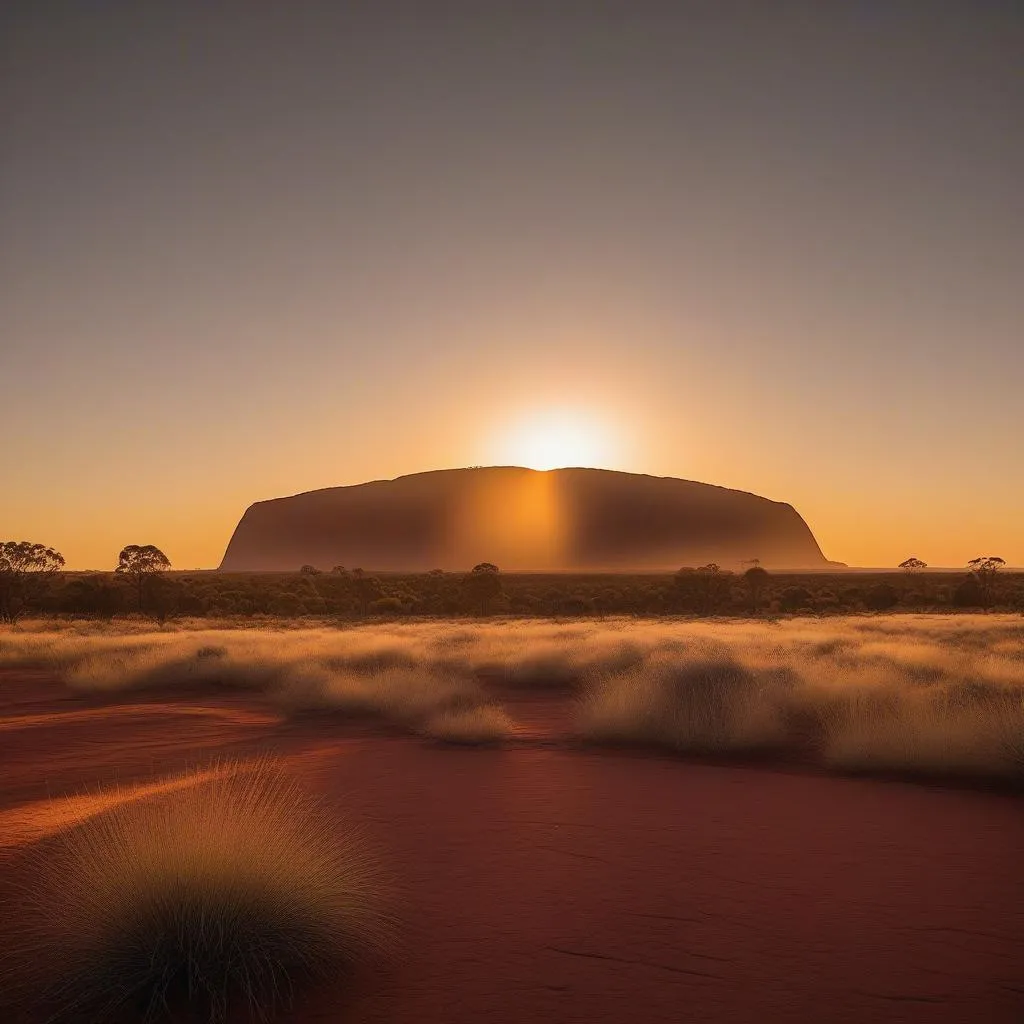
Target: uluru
[(522, 519)]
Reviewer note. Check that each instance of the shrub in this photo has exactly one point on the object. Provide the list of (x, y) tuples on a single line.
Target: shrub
[(982, 736), (482, 587), (707, 704), (881, 597), (401, 696), (94, 594), (288, 605), (225, 894), (171, 670), (486, 724), (795, 598), (969, 594)]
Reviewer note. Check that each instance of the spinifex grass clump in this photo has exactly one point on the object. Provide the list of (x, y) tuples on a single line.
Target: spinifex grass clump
[(701, 704), (930, 694), (476, 726), (227, 895)]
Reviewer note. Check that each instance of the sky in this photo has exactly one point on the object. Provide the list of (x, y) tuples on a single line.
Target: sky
[(256, 248)]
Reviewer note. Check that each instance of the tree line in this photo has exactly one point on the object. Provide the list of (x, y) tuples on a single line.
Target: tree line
[(33, 580), (27, 571)]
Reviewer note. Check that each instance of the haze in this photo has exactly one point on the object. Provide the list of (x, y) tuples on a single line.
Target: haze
[(256, 249)]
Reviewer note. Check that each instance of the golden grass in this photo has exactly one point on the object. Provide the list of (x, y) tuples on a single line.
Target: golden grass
[(402, 696), (916, 692), (699, 705), (935, 734), (224, 895), (477, 726)]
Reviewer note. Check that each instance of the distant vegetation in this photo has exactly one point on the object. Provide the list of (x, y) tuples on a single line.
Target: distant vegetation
[(25, 572), (141, 564), (32, 581)]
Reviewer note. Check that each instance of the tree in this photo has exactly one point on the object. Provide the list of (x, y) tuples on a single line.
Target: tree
[(990, 564), (713, 584), (25, 571), (984, 570), (911, 566), (165, 596), (483, 585), (367, 589), (756, 579), (686, 591), (140, 563), (94, 594)]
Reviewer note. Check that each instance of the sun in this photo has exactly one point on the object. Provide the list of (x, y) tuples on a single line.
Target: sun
[(556, 439)]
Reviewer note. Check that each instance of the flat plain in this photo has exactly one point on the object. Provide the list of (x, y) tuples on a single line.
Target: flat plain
[(608, 819)]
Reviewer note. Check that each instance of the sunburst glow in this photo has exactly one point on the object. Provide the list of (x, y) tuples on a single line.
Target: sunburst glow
[(555, 439)]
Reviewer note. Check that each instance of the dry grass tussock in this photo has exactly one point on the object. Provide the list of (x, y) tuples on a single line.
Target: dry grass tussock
[(407, 697), (698, 704), (224, 896), (905, 692), (473, 726)]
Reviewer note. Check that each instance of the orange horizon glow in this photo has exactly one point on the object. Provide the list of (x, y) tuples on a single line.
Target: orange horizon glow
[(766, 252), (190, 510), (196, 538)]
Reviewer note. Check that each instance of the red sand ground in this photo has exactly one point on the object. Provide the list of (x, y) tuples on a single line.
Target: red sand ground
[(546, 884)]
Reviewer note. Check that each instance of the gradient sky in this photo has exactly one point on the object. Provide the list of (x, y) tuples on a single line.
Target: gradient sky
[(255, 248)]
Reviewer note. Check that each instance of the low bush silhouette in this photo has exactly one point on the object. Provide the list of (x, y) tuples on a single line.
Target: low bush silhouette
[(701, 705), (881, 597), (794, 599), (969, 594), (387, 606), (470, 726), (354, 595), (26, 570)]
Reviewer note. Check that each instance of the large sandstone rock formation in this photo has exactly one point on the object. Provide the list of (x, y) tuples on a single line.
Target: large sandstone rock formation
[(521, 519)]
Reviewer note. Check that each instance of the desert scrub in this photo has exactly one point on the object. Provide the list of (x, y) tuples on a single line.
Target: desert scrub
[(472, 726), (933, 734), (403, 697), (227, 895), (910, 693), (699, 705)]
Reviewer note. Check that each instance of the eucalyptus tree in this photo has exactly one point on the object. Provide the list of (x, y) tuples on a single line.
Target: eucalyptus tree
[(912, 565), (483, 586), (984, 569), (140, 563), (25, 572), (756, 579)]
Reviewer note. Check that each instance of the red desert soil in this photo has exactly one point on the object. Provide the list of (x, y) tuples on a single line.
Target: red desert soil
[(542, 883)]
